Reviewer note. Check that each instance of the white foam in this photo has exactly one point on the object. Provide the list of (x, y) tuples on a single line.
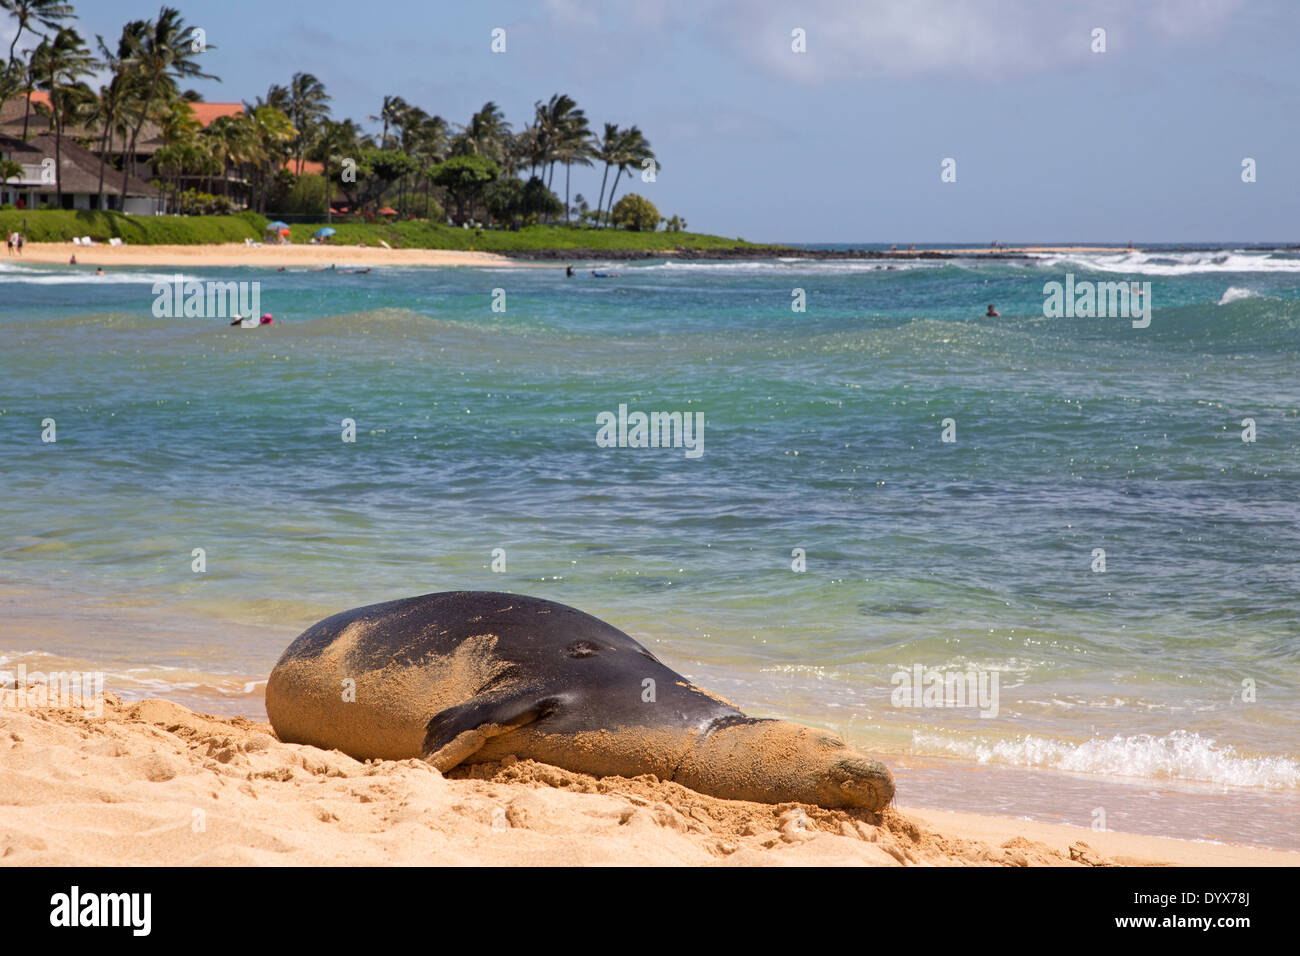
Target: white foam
[(84, 275), (1235, 293), (1171, 263), (1180, 755), (783, 266)]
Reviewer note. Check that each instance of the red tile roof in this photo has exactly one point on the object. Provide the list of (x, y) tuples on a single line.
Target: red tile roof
[(205, 113), (310, 167)]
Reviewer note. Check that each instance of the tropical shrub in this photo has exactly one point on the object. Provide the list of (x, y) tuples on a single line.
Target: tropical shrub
[(636, 213)]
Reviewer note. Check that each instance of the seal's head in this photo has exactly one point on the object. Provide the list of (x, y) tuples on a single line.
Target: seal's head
[(775, 761)]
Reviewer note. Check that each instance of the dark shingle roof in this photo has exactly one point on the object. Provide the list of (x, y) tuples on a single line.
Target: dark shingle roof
[(79, 167)]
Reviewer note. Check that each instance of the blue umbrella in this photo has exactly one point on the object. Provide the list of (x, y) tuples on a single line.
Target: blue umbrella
[(277, 225), (322, 233)]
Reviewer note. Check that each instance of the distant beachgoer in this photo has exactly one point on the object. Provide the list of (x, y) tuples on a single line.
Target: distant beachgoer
[(893, 248), (992, 313), (568, 272), (21, 239), (99, 272), (73, 260), (12, 240), (281, 269)]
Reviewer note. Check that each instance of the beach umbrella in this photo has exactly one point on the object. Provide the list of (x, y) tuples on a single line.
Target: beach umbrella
[(276, 226), (322, 233)]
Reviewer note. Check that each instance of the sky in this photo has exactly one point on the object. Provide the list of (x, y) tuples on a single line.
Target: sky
[(845, 141)]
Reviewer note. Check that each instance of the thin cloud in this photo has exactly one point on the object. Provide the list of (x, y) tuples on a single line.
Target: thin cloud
[(873, 39)]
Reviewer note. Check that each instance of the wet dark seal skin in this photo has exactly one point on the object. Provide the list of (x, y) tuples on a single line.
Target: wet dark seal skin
[(471, 676)]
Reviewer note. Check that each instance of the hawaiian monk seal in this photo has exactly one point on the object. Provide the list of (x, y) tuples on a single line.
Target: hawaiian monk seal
[(471, 676)]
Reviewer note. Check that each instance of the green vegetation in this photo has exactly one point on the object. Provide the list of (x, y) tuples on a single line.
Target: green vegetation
[(419, 234), (636, 213), (60, 225), (488, 174)]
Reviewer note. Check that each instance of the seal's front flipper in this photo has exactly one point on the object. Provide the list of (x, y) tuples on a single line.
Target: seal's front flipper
[(455, 734)]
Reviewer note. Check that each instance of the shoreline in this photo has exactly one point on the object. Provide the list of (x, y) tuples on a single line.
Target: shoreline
[(151, 782), (793, 252), (323, 256), (236, 254), (1147, 808)]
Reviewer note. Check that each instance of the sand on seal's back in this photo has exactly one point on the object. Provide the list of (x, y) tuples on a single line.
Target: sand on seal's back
[(329, 701)]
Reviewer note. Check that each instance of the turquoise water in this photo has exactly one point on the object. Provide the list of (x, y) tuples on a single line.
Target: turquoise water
[(476, 430)]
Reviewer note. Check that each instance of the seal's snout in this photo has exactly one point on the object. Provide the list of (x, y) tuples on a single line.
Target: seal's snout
[(866, 783)]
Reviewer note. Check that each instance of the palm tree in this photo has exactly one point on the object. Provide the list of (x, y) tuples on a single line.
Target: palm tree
[(272, 134), (551, 118), (429, 147), (27, 83), (408, 123), (484, 135), (336, 139), (49, 14), (115, 96), (187, 151), (276, 96), (606, 151), (307, 110), (163, 53), (573, 146), (529, 147), (389, 113), (232, 140), (61, 61), (632, 150)]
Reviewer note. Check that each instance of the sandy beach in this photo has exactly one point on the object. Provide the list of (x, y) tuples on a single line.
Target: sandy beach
[(153, 783), (237, 254), (322, 256)]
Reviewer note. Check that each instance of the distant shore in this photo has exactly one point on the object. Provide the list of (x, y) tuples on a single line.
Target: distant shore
[(794, 252)]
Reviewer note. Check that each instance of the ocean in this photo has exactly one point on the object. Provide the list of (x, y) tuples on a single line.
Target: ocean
[(1094, 523)]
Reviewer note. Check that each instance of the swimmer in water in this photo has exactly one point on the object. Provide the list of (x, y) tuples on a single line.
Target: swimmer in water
[(568, 272), (99, 272), (992, 313)]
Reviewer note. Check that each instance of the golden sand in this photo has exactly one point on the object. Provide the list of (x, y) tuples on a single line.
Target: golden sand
[(238, 254), (154, 783)]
